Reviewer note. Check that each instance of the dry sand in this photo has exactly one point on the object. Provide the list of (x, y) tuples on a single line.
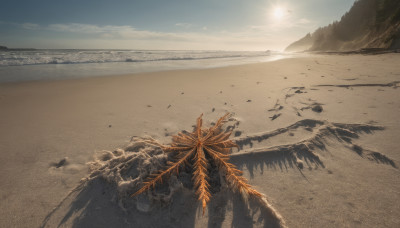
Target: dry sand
[(319, 136)]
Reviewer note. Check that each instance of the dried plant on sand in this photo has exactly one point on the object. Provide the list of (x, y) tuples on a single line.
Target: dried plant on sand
[(198, 149)]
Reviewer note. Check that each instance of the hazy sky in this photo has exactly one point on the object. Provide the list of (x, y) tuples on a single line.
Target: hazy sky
[(164, 24)]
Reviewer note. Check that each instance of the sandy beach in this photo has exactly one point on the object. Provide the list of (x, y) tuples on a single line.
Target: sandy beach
[(318, 135)]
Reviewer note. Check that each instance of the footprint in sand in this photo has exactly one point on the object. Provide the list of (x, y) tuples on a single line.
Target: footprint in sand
[(296, 105)]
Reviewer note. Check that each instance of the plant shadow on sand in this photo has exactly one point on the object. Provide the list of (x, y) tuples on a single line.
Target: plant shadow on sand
[(93, 206), (102, 199), (304, 153)]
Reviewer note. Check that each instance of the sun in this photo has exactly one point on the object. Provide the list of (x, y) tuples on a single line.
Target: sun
[(278, 13)]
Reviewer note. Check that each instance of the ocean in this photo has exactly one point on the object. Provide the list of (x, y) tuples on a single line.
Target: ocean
[(44, 64)]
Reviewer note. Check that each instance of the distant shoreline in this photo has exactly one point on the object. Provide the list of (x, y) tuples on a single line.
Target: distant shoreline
[(4, 48), (363, 51)]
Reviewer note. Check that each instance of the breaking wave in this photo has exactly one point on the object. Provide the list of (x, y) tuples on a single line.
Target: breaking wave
[(15, 57)]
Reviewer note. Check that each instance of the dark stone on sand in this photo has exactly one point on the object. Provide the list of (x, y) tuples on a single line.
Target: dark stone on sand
[(275, 116), (61, 163), (238, 133), (317, 108)]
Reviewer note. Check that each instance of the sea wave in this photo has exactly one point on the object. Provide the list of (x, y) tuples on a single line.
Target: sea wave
[(76, 56)]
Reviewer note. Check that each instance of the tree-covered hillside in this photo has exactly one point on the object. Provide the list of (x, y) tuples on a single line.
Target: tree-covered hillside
[(368, 24)]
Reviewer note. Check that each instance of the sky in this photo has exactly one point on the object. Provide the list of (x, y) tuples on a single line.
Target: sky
[(245, 25)]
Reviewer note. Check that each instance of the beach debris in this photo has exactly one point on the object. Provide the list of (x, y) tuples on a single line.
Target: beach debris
[(248, 101), (169, 106), (393, 84), (197, 150), (276, 108), (275, 116), (213, 109), (61, 163)]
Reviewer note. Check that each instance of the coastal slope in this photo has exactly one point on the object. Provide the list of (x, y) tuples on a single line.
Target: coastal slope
[(368, 24)]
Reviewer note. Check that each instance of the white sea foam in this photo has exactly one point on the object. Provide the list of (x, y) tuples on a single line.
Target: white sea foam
[(23, 65), (35, 57)]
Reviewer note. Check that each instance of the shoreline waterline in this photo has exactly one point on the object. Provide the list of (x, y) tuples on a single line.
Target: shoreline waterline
[(60, 71)]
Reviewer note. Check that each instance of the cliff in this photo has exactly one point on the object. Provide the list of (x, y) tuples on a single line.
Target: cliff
[(368, 24)]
